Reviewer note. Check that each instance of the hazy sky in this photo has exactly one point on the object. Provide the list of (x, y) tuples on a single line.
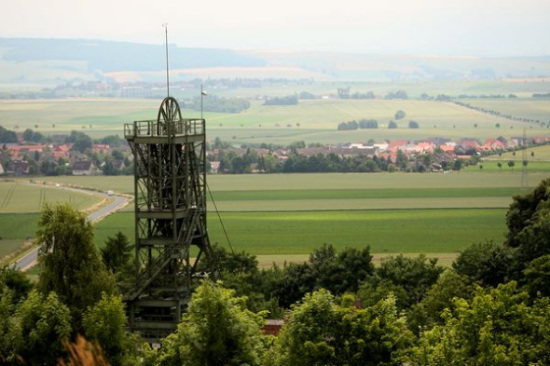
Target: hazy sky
[(459, 27)]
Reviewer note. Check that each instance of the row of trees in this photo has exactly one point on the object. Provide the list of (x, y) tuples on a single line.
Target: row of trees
[(499, 114), (354, 125), (372, 123), (286, 100)]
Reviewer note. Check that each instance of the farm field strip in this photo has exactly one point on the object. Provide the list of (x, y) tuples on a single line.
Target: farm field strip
[(362, 204), (324, 181), (386, 231), (18, 225), (339, 194), (365, 181), (22, 198)]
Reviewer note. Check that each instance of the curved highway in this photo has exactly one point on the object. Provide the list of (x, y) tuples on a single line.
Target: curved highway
[(29, 259)]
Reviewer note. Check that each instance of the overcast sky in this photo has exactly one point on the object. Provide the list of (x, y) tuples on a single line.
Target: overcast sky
[(425, 27)]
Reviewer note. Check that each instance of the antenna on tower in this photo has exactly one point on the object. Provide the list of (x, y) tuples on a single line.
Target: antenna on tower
[(165, 25)]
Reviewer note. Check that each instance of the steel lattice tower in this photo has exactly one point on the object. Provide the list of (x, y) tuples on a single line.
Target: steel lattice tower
[(170, 218)]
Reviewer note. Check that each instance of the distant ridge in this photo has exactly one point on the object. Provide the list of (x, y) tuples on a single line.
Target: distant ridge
[(111, 56), (35, 60)]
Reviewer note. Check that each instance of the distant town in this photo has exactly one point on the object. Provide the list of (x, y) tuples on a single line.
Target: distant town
[(78, 154)]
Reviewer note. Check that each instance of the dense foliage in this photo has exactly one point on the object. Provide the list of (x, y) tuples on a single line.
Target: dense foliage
[(7, 136)]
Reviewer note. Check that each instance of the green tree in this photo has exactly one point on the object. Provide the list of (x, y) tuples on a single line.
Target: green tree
[(41, 325), (15, 281), (537, 276), (528, 221), (7, 309), (70, 264), (407, 278), (340, 272), (534, 240), (81, 142), (291, 283), (496, 327), (401, 160), (487, 263), (28, 135), (427, 313), (413, 124), (524, 209), (458, 164), (7, 135), (392, 125), (105, 323), (117, 155), (321, 332), (217, 329), (239, 271), (117, 252), (400, 114)]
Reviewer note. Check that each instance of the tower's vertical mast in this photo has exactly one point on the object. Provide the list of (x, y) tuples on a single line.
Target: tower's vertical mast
[(165, 25)]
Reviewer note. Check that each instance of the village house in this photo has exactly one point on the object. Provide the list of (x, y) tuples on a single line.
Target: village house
[(18, 151), (60, 151), (493, 145), (101, 148), (397, 145), (85, 168), (214, 167), (382, 147), (18, 168)]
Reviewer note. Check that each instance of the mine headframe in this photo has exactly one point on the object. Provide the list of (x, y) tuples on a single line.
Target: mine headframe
[(172, 249)]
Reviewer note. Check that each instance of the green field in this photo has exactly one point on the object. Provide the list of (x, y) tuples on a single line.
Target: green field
[(18, 226), (18, 197), (386, 231), (313, 121)]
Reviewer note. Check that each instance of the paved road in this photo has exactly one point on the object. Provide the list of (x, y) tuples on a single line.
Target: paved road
[(30, 258)]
